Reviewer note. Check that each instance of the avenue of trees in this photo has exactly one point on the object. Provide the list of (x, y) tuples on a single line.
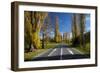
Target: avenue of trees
[(36, 23), (33, 23), (79, 34), (39, 23)]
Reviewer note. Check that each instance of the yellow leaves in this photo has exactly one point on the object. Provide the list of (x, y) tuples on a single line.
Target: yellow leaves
[(36, 39), (33, 23), (58, 37)]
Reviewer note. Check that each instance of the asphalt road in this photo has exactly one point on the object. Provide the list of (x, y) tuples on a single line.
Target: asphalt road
[(60, 52)]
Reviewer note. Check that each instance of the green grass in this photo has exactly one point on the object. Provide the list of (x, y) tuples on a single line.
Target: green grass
[(50, 45), (85, 50), (30, 55)]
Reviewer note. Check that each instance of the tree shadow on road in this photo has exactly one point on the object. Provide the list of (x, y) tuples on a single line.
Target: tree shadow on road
[(64, 57)]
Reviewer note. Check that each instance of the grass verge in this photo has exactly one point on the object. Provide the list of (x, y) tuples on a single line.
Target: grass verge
[(50, 45), (85, 50), (30, 55)]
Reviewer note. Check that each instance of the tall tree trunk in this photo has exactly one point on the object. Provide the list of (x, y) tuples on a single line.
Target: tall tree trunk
[(75, 29), (36, 39), (82, 28), (56, 30), (43, 40)]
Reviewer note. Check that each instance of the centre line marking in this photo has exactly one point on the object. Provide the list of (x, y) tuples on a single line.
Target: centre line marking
[(52, 52), (61, 54)]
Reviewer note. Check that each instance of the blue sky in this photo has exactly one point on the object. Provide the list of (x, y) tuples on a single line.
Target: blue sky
[(65, 21)]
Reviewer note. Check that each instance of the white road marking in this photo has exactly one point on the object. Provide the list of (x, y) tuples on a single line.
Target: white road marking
[(41, 54), (78, 51), (52, 52), (61, 52), (70, 51)]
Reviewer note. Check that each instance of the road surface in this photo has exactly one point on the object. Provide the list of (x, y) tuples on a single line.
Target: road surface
[(60, 52)]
